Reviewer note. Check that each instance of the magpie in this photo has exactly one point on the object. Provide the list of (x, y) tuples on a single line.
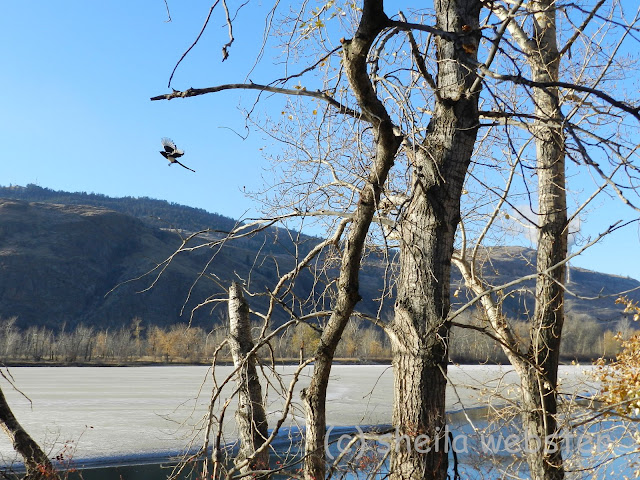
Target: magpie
[(172, 153)]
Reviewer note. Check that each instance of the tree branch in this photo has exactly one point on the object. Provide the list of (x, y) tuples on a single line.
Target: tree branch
[(408, 26), (520, 80), (420, 63), (581, 28), (194, 92), (615, 226), (206, 22)]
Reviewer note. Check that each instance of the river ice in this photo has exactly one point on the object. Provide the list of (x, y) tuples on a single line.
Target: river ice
[(93, 412)]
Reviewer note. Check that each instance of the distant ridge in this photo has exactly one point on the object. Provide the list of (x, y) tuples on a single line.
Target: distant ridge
[(61, 253), (158, 213)]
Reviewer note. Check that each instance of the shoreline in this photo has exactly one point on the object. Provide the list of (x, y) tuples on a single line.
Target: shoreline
[(154, 363), (227, 363), (164, 459)]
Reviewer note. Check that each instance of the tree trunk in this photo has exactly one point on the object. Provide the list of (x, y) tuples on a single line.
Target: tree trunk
[(540, 401), (355, 53), (315, 395), (538, 376), (419, 331), (36, 462), (250, 416)]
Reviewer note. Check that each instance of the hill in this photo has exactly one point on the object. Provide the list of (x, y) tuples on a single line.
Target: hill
[(73, 264), (62, 254), (59, 262), (156, 213), (589, 294)]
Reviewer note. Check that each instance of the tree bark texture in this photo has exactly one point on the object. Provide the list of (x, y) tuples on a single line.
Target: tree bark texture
[(419, 331), (355, 53), (540, 385), (36, 462), (250, 416)]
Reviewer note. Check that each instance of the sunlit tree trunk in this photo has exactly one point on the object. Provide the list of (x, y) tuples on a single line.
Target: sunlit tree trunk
[(250, 416), (355, 53), (419, 331), (540, 384)]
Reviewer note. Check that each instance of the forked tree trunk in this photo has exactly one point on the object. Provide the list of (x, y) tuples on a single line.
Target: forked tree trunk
[(36, 462), (250, 416), (419, 331), (540, 399)]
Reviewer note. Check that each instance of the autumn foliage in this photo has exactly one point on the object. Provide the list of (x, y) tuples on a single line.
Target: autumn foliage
[(620, 379)]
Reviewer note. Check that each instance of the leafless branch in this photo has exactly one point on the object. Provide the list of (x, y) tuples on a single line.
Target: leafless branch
[(225, 48), (520, 80), (166, 4), (308, 69), (406, 26), (580, 30), (194, 92), (615, 226), (206, 22), (420, 63)]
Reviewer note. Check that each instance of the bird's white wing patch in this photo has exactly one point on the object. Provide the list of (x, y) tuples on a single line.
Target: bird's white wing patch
[(167, 142)]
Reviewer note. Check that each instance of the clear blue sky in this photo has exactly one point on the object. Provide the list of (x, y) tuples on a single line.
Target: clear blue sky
[(75, 111)]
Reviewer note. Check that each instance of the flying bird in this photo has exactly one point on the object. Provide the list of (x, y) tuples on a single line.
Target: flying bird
[(172, 153)]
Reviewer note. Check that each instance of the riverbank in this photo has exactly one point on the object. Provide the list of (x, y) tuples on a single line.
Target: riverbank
[(228, 362), (177, 363)]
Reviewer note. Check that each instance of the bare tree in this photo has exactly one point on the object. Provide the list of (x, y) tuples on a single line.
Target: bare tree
[(549, 128), (539, 377), (250, 416), (427, 229)]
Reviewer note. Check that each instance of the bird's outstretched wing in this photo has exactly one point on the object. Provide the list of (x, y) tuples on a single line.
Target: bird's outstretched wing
[(168, 144), (170, 148)]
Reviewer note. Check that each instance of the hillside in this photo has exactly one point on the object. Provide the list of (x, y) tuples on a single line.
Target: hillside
[(589, 294), (60, 262)]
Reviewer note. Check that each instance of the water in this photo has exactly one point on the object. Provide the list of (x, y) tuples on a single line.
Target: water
[(131, 415)]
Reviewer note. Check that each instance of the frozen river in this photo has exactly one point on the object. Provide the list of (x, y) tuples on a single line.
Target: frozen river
[(121, 411)]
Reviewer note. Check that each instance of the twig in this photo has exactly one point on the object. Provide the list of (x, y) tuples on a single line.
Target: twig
[(168, 12), (194, 43)]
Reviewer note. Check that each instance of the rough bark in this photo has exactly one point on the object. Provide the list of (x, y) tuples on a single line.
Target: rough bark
[(355, 52), (419, 331), (539, 386), (36, 462), (250, 415), (538, 374)]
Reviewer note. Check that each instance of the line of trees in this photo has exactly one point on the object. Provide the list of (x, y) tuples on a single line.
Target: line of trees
[(177, 343), (584, 340)]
